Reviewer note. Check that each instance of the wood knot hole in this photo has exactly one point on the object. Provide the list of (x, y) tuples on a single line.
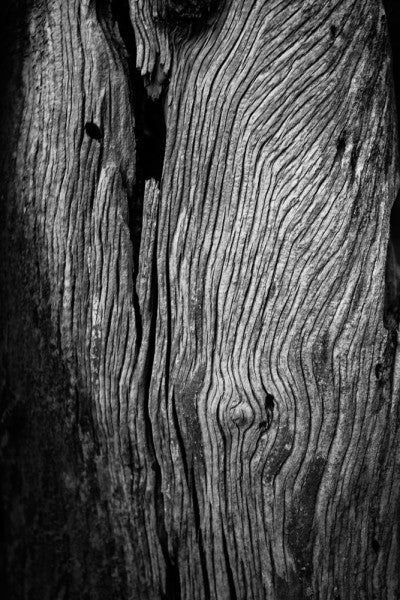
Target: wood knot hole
[(378, 371), (93, 131), (265, 424), (341, 144), (269, 402), (242, 414)]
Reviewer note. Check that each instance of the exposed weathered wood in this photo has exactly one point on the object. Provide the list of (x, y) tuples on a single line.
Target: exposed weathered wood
[(274, 421), (72, 320), (216, 418)]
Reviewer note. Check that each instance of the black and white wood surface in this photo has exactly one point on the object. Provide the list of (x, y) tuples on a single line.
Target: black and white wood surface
[(200, 388)]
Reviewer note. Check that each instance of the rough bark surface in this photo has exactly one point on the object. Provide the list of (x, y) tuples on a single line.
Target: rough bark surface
[(82, 519), (215, 416)]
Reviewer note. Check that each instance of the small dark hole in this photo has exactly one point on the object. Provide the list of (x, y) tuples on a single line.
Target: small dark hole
[(375, 546), (341, 143), (333, 31), (269, 408), (93, 130), (269, 402), (378, 370), (353, 159)]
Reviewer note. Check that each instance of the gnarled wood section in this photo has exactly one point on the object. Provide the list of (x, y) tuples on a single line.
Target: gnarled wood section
[(83, 516), (274, 422)]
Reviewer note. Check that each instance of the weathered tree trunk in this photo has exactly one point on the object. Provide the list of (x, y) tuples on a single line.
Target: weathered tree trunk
[(200, 391)]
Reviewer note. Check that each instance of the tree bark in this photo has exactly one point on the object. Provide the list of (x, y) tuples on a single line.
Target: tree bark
[(200, 383)]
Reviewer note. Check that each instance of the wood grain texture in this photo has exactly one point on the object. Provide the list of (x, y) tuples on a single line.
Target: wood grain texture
[(274, 418), (70, 174), (221, 412)]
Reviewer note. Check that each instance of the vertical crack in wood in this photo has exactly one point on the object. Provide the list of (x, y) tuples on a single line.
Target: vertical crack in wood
[(392, 287), (198, 526), (231, 581), (150, 133), (69, 184), (147, 376)]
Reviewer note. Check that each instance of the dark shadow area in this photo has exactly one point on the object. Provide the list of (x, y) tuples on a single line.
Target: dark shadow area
[(193, 13), (93, 131), (12, 25), (150, 130), (149, 114), (392, 300), (392, 8), (12, 39)]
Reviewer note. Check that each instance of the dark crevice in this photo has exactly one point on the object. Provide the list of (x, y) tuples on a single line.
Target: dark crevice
[(378, 371), (340, 145), (191, 483), (395, 227), (353, 160), (172, 585), (196, 513), (150, 135), (147, 376), (392, 297), (138, 315), (196, 509), (150, 145), (151, 348), (179, 438), (173, 590), (392, 288), (375, 546), (231, 583), (168, 327), (392, 9), (150, 130)]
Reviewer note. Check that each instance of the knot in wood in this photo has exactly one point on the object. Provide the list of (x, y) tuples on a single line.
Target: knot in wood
[(241, 415)]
